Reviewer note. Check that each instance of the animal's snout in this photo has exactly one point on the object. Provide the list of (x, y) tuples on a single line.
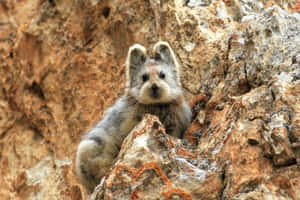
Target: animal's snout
[(154, 88), (155, 91)]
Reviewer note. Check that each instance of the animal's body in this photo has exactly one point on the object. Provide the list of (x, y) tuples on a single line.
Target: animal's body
[(153, 86)]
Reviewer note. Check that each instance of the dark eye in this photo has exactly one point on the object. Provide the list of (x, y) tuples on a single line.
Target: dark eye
[(145, 77), (162, 75)]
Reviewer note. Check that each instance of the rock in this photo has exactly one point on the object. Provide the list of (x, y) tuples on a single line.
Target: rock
[(154, 165), (62, 65), (263, 50), (44, 181)]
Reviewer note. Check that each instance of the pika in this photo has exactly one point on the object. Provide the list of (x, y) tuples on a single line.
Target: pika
[(152, 86)]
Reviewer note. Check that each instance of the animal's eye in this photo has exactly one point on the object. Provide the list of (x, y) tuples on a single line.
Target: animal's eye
[(145, 77), (162, 75)]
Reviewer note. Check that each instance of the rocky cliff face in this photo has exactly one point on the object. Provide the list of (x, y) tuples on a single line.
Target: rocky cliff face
[(62, 65)]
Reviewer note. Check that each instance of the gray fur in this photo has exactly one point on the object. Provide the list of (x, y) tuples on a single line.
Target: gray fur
[(96, 153)]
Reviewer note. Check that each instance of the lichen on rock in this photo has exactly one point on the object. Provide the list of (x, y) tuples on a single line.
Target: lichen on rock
[(154, 165)]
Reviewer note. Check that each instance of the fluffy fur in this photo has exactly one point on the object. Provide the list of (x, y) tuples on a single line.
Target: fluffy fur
[(153, 86)]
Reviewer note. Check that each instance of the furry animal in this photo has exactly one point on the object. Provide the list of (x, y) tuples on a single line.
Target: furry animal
[(153, 86)]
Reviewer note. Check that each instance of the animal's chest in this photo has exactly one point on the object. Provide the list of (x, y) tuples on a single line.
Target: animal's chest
[(165, 113)]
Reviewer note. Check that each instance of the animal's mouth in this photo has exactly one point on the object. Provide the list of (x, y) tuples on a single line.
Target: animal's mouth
[(155, 94), (155, 91)]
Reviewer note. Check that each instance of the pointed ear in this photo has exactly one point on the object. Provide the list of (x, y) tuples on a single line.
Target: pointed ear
[(135, 59), (163, 52)]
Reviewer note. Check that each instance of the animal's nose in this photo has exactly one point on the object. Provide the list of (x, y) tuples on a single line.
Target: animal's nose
[(154, 87)]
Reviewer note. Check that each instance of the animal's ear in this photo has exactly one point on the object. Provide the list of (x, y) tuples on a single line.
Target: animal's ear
[(135, 59), (163, 52)]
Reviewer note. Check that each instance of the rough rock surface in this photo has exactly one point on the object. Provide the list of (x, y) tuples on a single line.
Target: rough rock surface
[(154, 165), (62, 65)]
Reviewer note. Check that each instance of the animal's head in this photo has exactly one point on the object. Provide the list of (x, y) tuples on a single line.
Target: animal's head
[(153, 80)]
